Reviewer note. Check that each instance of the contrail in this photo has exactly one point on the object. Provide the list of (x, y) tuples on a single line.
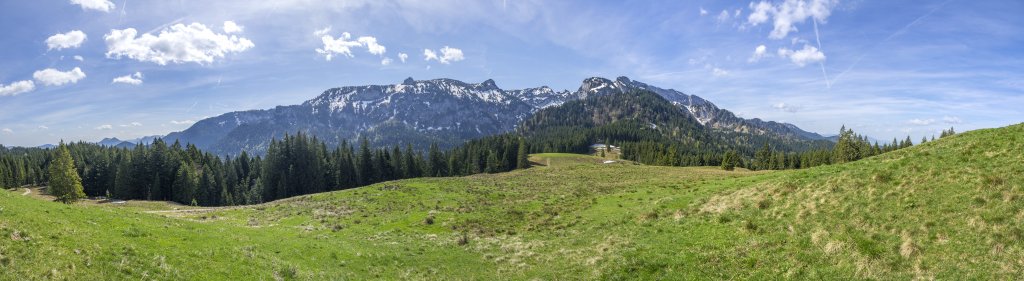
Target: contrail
[(817, 36), (120, 19), (166, 25), (890, 37)]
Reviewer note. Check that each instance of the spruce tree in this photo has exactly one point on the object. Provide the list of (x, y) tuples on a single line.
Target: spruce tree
[(522, 158), (730, 160), (65, 183)]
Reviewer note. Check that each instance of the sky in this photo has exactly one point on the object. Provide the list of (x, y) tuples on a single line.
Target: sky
[(89, 69)]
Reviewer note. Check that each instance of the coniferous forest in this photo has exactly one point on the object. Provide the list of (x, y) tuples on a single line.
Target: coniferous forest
[(295, 165)]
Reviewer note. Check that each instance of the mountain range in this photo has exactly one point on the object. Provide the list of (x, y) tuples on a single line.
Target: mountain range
[(443, 111)]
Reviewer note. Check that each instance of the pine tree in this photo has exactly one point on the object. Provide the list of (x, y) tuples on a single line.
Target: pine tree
[(522, 158), (65, 183), (492, 163), (729, 160), (763, 158), (364, 167), (846, 148)]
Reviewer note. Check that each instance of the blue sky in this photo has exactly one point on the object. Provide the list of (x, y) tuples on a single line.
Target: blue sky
[(884, 68)]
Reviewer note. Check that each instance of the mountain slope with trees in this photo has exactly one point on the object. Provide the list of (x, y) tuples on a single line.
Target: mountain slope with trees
[(649, 128), (443, 111)]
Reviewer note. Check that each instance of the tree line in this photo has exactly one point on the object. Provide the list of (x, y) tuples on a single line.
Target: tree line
[(295, 165)]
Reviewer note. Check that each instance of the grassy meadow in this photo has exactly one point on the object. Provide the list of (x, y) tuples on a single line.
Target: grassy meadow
[(949, 209)]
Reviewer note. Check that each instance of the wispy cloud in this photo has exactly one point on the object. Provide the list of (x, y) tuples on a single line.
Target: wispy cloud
[(787, 107), (131, 79), (759, 52), (921, 122), (951, 120)]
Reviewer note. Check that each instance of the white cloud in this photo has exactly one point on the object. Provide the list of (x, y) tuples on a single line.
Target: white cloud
[(232, 27), (182, 122), (403, 57), (787, 107), (341, 45), (105, 127), (371, 45), (72, 39), (99, 5), (53, 77), (759, 53), (718, 72), (951, 120), (43, 127), (16, 88), (447, 56), (178, 43), (79, 58), (131, 79), (322, 32), (386, 61), (723, 16), (809, 54), (703, 12), (429, 54), (8, 130), (921, 122), (787, 14), (760, 13)]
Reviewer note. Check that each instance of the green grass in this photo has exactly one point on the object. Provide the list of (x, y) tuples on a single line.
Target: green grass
[(950, 209)]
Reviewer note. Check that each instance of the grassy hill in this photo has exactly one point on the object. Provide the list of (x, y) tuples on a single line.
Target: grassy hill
[(950, 209)]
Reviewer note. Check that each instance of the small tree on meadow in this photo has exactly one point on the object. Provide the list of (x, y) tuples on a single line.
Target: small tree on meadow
[(729, 160), (65, 183)]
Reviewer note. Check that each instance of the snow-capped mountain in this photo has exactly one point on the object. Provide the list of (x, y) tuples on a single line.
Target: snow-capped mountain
[(420, 112), (707, 113), (414, 112)]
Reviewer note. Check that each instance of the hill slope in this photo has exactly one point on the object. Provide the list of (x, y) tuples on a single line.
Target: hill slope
[(949, 209)]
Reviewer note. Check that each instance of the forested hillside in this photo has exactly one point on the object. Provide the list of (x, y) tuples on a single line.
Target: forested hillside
[(296, 165)]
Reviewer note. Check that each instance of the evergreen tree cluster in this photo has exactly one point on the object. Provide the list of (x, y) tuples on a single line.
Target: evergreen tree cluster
[(22, 166), (849, 147), (295, 165), (946, 133)]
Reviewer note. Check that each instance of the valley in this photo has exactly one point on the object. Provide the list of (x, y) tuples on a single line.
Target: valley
[(948, 208)]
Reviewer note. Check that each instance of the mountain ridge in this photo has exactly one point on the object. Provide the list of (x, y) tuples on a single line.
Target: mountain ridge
[(444, 111)]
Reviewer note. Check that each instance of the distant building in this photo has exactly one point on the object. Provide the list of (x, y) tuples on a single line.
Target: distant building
[(601, 146)]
